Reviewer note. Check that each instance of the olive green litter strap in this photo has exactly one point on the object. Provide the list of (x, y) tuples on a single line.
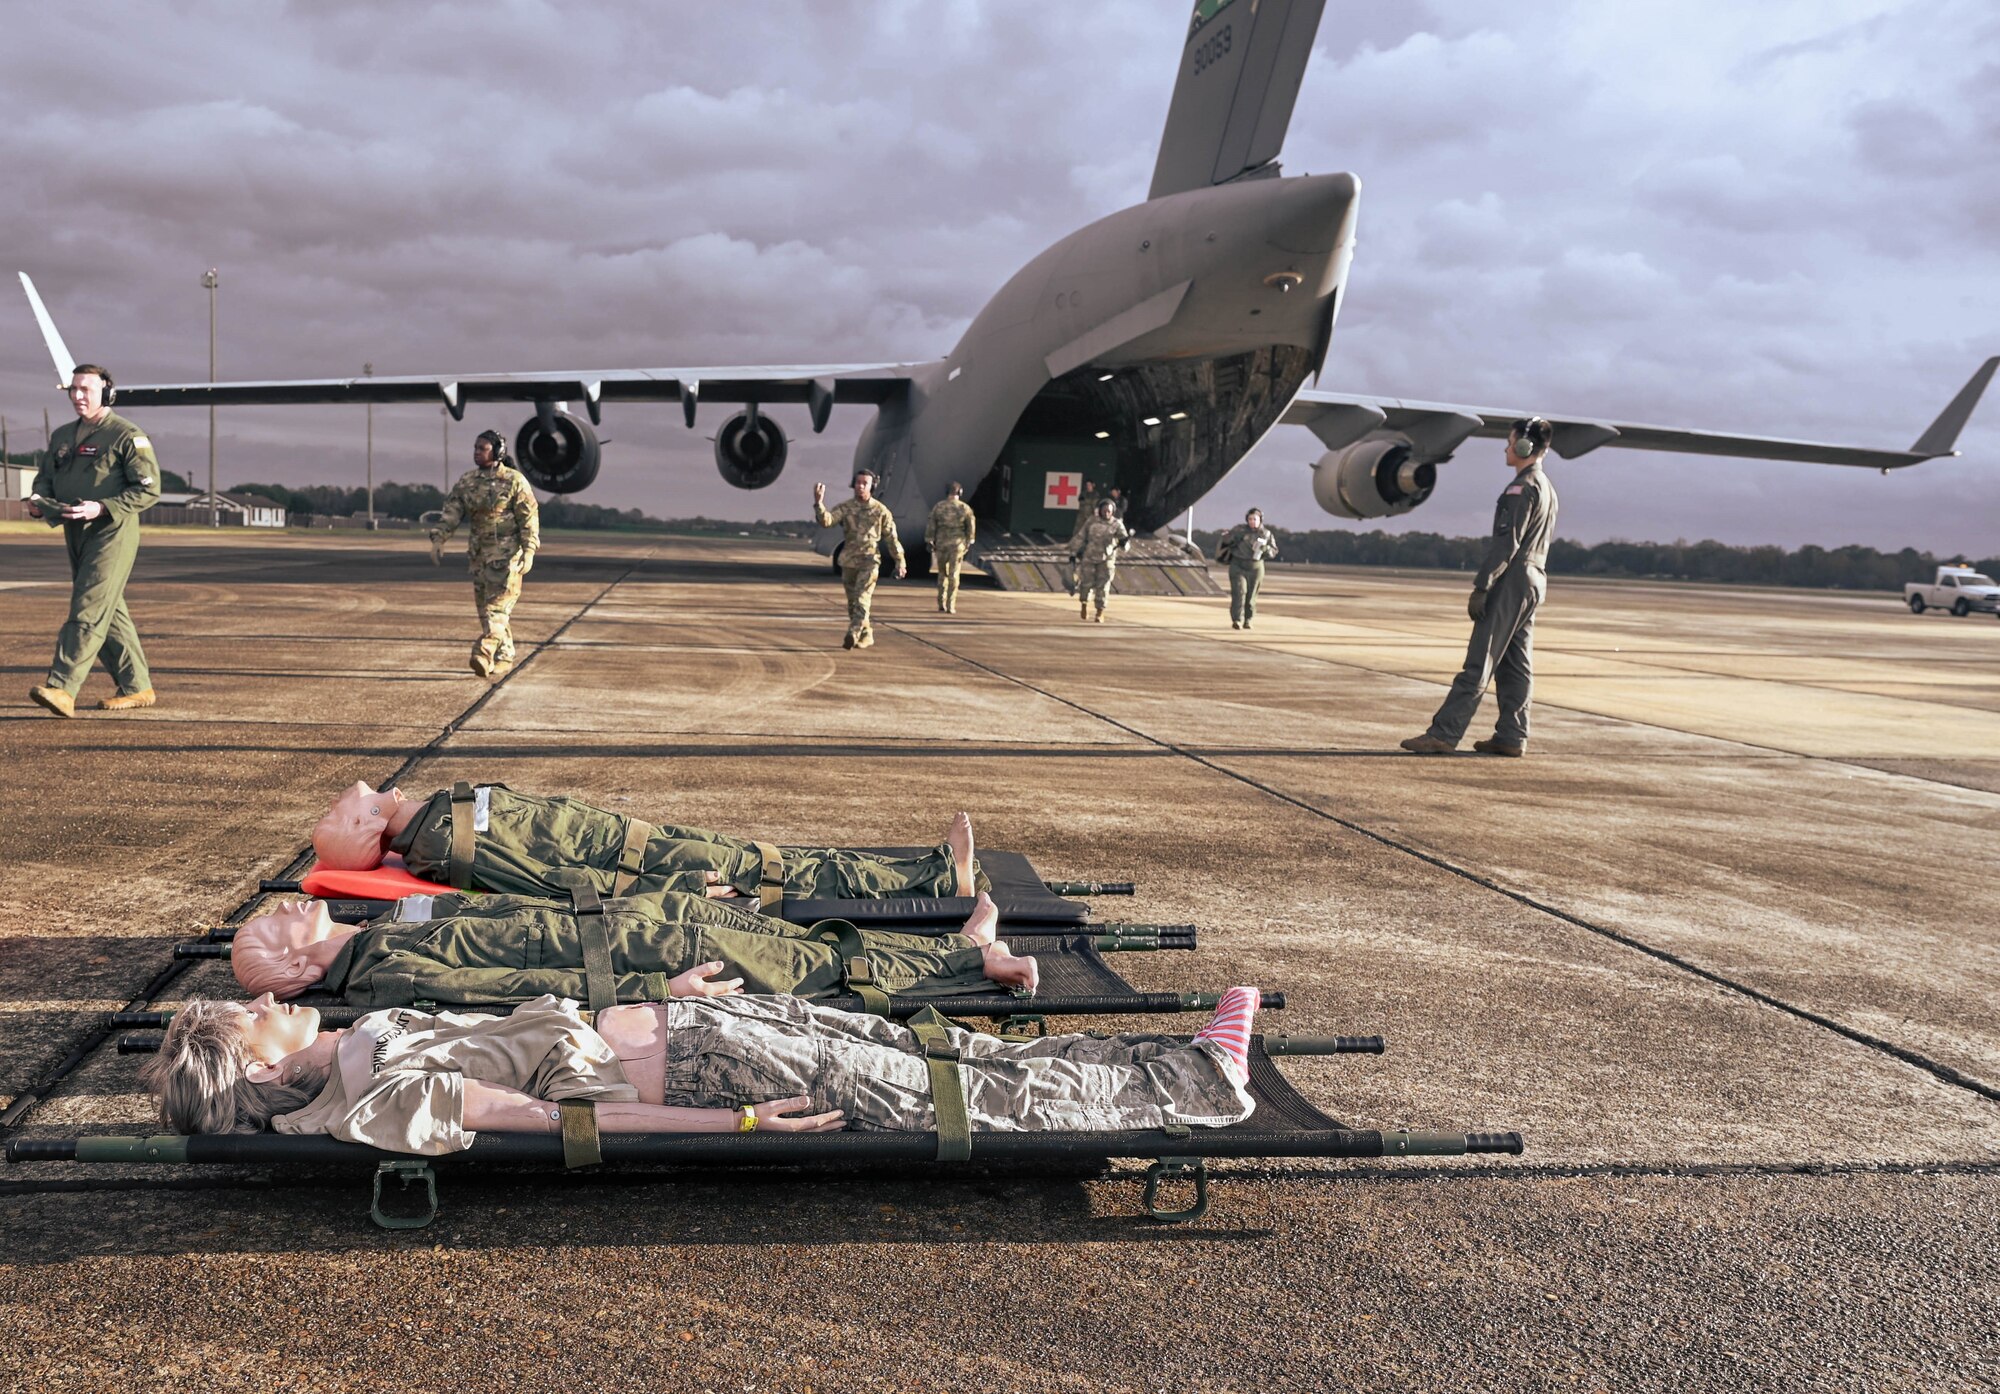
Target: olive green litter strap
[(462, 836), (771, 882), (631, 855), (600, 985), (954, 1125), (579, 1133), (857, 974)]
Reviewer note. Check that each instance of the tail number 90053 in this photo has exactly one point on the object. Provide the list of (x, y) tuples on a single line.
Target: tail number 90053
[(1212, 51)]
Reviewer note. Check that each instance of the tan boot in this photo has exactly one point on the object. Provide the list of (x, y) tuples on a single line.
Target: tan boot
[(1100, 617), (1496, 746), (1083, 611), (481, 664), (866, 641), (1427, 744), (125, 701), (55, 699), (847, 640)]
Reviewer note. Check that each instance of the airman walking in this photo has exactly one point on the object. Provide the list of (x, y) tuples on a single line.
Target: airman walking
[(504, 527), (951, 531), (1246, 547), (99, 476), (870, 530), (1095, 551)]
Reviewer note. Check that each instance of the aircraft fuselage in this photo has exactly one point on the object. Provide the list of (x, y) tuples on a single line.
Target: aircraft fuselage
[(1217, 303)]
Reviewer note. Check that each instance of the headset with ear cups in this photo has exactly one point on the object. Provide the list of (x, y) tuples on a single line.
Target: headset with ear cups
[(1532, 436), (110, 388), (498, 442)]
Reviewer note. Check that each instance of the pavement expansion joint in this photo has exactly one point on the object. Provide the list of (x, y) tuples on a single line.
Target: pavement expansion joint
[(1937, 1069)]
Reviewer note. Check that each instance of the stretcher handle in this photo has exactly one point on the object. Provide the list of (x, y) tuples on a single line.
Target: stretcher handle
[(280, 887), (138, 1045), (41, 1149), (1169, 931), (1090, 887), (201, 949), (1323, 1045), (1509, 1143)]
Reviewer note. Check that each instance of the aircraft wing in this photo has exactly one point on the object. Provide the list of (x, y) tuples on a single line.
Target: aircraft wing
[(1436, 429), (819, 385)]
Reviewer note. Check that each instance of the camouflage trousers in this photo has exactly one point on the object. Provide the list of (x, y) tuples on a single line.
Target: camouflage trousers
[(724, 1052), (496, 586), (859, 582), (947, 561), (1243, 584), (1093, 582), (842, 873)]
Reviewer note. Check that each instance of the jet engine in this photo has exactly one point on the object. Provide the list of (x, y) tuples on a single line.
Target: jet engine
[(750, 450), (560, 457), (1376, 477)]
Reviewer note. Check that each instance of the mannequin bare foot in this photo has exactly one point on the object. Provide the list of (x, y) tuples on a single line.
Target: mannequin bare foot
[(959, 838), (983, 926), (1005, 967)]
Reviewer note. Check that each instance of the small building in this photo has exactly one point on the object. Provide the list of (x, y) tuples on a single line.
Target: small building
[(232, 510), (16, 481)]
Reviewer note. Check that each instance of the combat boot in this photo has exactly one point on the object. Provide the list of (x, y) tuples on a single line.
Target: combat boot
[(1427, 744), (847, 640), (1100, 617), (481, 664), (125, 701), (1083, 611), (866, 641), (55, 699), (1496, 746)]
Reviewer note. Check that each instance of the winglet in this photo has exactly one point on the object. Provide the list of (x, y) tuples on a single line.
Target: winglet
[(1942, 434), (59, 351)]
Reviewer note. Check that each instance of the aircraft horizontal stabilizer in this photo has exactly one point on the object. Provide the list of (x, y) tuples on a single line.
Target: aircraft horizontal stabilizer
[(58, 350), (1434, 430)]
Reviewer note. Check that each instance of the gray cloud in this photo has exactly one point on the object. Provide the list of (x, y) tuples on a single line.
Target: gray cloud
[(1773, 218)]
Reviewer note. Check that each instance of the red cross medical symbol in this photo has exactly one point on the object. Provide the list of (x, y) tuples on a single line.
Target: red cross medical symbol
[(1062, 491)]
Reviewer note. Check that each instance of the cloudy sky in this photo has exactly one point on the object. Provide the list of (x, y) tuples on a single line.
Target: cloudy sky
[(1776, 218)]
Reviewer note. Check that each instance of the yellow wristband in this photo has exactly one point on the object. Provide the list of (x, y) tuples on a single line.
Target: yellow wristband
[(749, 1123)]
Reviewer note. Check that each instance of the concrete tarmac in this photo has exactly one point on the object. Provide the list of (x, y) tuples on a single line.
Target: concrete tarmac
[(1722, 947)]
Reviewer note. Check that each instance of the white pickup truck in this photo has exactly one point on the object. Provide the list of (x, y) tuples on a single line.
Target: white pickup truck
[(1958, 589)]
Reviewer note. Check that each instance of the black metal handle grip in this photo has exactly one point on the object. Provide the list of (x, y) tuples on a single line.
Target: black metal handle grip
[(155, 1020), (199, 949), (1090, 887), (41, 1149), (1509, 1143), (138, 1045), (280, 887), (1288, 1044)]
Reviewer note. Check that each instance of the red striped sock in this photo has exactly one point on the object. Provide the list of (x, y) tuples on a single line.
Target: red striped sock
[(1230, 1027)]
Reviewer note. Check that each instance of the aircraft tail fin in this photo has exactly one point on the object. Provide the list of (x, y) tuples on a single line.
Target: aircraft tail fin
[(1240, 73), (1941, 436), (58, 350)]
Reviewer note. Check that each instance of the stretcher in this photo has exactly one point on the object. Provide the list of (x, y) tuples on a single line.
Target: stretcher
[(1024, 899), (1284, 1124), (1076, 980)]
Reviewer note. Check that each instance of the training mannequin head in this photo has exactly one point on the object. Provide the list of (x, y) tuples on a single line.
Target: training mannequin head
[(286, 950), (230, 1067), (356, 830)]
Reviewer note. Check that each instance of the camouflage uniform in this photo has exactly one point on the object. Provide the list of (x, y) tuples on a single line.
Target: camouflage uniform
[(724, 1052), (497, 949), (109, 460), (950, 533), (870, 529), (1247, 553), (505, 527), (1096, 550)]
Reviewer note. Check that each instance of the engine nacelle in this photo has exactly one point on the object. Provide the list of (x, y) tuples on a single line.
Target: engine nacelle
[(1376, 477), (560, 458), (750, 450)]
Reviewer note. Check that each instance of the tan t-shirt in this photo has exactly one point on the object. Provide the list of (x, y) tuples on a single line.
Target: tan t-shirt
[(399, 1075)]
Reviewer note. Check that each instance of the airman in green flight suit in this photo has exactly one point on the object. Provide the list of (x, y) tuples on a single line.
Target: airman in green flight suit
[(100, 475)]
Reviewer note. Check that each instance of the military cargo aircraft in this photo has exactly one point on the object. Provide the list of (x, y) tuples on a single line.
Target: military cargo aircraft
[(1151, 349)]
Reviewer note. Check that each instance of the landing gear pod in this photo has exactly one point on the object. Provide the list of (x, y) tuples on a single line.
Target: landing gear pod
[(1378, 477), (750, 450), (557, 451)]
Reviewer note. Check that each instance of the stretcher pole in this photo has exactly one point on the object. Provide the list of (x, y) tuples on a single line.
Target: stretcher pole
[(1088, 888)]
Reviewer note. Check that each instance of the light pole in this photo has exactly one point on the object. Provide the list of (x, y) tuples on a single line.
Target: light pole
[(445, 413), (210, 280), (368, 371)]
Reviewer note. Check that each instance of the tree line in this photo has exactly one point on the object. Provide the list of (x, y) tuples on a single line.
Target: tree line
[(412, 501), (1832, 568)]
